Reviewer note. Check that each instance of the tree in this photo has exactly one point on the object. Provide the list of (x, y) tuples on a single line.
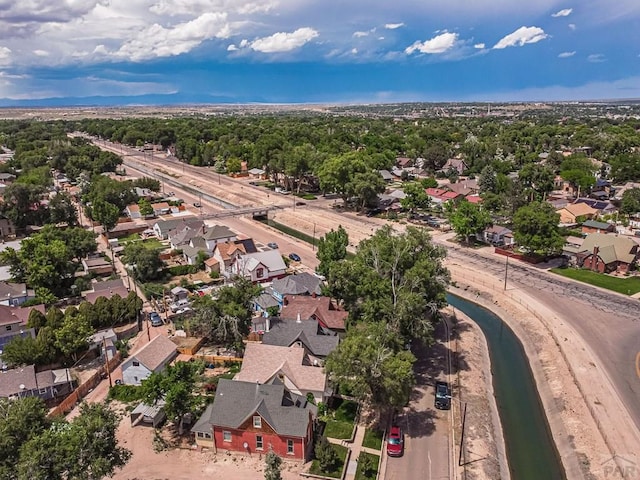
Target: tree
[(536, 179), (36, 319), (145, 263), (429, 182), (394, 279), (416, 198), (21, 204), (85, 449), (326, 455), (332, 248), (175, 386), (62, 210), (20, 421), (535, 227), (487, 181), (145, 207), (336, 174), (366, 186), (375, 367), (272, 466), (73, 335), (468, 219), (21, 351), (630, 201), (107, 214)]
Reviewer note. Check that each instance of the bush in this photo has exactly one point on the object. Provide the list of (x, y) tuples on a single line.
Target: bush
[(125, 393), (178, 270), (326, 455)]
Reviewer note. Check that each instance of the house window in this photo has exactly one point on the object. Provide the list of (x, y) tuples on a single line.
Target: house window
[(226, 436), (260, 272), (204, 435), (257, 422), (42, 391), (258, 442), (290, 447), (136, 364), (8, 327)]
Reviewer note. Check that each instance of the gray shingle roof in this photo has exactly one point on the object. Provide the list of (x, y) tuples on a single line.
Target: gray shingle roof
[(217, 232), (300, 284), (286, 333), (158, 351), (287, 413)]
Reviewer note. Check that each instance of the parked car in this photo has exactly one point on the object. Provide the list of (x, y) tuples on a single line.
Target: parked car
[(395, 442), (295, 257), (443, 396), (197, 204), (156, 320), (272, 245), (180, 304)]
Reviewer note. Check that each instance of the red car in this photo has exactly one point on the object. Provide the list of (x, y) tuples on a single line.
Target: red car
[(395, 442)]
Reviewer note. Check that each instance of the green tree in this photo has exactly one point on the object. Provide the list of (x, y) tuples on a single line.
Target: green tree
[(145, 264), (468, 219), (416, 198), (62, 210), (21, 204), (332, 248), (487, 181), (372, 363), (366, 186), (107, 214), (176, 386), (85, 449), (630, 201), (20, 421), (73, 335), (36, 319), (394, 279), (326, 455), (145, 207), (272, 466), (429, 182), (21, 351), (535, 227)]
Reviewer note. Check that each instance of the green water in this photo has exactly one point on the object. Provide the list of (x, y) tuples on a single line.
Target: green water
[(530, 448)]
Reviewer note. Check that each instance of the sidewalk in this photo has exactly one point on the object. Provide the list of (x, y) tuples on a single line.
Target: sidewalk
[(355, 449)]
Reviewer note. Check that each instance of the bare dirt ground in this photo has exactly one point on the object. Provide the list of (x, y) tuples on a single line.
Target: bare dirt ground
[(483, 453), (187, 463)]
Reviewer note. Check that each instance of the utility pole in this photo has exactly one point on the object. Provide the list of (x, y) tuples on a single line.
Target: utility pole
[(313, 244), (506, 269), (464, 421), (106, 360)]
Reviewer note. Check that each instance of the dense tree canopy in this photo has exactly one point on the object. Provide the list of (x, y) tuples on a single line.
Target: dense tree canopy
[(332, 248), (535, 227), (468, 219)]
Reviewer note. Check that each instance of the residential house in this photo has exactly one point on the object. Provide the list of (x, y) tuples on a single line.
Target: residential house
[(440, 196), (259, 267), (26, 382), (183, 235), (498, 236), (572, 212), (606, 253), (153, 357), (603, 207), (7, 228), (164, 228), (562, 185), (104, 341), (206, 242), (319, 308), (474, 198), (161, 208), (133, 211), (225, 253), (13, 323), (107, 293), (252, 418), (317, 341), (290, 366), (457, 164), (464, 187), (298, 284), (571, 248), (15, 294), (592, 226), (404, 162), (97, 266), (145, 193), (7, 178), (256, 173), (179, 293), (386, 175)]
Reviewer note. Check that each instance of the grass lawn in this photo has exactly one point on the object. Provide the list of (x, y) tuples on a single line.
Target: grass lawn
[(345, 410), (337, 471), (372, 439), (340, 430), (153, 244), (626, 286), (374, 459)]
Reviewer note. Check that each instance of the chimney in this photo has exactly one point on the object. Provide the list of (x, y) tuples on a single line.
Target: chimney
[(285, 301), (298, 319), (313, 295)]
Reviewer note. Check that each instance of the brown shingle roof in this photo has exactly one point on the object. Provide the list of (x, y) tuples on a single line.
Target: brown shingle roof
[(321, 308), (158, 351)]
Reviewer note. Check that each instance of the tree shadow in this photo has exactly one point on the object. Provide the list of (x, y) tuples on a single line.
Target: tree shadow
[(416, 423)]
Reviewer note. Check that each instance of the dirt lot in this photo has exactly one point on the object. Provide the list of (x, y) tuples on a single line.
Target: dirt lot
[(187, 464)]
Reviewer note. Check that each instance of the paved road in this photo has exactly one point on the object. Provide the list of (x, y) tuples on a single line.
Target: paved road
[(607, 322)]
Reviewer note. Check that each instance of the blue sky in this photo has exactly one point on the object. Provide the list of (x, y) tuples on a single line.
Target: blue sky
[(293, 51)]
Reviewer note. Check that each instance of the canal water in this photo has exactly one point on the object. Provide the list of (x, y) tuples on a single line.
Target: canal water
[(531, 451)]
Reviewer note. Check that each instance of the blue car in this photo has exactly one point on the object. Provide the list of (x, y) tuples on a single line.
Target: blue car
[(155, 319), (294, 256)]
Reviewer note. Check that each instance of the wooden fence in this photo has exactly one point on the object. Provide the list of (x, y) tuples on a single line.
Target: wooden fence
[(217, 359), (84, 388)]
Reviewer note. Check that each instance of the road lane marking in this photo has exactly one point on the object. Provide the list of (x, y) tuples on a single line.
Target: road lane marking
[(429, 457), (638, 364)]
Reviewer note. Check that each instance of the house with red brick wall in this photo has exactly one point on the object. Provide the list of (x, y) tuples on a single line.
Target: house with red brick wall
[(253, 418), (606, 253)]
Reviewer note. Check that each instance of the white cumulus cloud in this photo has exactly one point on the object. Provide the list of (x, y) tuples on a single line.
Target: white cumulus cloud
[(562, 13), (40, 53), (521, 36), (284, 42), (479, 46), (438, 44), (360, 34), (4, 52), (158, 41), (596, 58), (393, 26), (572, 26), (566, 54)]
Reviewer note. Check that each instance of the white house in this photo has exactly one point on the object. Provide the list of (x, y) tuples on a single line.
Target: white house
[(260, 266), (153, 357), (498, 236)]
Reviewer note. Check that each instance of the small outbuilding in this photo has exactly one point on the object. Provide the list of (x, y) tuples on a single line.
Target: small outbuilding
[(150, 415)]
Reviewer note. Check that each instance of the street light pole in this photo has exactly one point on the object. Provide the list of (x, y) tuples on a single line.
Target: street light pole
[(506, 270)]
